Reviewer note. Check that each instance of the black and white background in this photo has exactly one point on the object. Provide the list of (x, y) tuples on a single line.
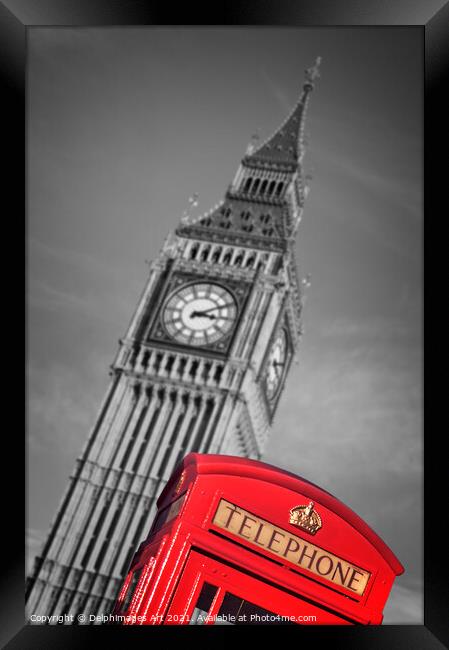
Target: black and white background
[(123, 126)]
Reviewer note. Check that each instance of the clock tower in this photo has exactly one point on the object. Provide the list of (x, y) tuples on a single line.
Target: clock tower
[(200, 369)]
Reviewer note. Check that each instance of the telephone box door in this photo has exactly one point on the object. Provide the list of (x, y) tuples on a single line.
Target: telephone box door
[(213, 593)]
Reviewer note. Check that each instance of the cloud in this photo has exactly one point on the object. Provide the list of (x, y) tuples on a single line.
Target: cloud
[(78, 259), (277, 92), (394, 327), (60, 412), (406, 195), (45, 296), (359, 401), (67, 281)]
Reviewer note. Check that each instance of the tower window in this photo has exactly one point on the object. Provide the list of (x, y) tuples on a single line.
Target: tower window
[(250, 261), (182, 366), (216, 254), (265, 218), (255, 186), (134, 356), (193, 369), (271, 187), (193, 252), (205, 253), (248, 184), (245, 216), (206, 370), (218, 373), (277, 266), (279, 189), (247, 227), (239, 259), (203, 425), (263, 187), (169, 364), (227, 258), (172, 439)]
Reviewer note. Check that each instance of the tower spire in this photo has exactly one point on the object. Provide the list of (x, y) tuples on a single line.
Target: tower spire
[(286, 145), (264, 201)]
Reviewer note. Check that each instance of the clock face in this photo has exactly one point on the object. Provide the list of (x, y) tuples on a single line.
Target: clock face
[(276, 365), (200, 314)]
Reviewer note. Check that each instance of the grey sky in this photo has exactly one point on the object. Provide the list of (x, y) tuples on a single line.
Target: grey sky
[(123, 126)]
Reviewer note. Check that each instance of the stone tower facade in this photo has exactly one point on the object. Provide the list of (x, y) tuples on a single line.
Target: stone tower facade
[(201, 368)]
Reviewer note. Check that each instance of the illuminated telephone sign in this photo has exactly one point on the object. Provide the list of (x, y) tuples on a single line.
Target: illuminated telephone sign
[(238, 542)]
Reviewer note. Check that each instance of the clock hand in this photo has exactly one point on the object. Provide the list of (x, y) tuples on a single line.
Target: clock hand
[(205, 311), (201, 314)]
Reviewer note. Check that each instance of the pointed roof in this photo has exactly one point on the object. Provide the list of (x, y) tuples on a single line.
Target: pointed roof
[(257, 218), (261, 220), (256, 222), (286, 145)]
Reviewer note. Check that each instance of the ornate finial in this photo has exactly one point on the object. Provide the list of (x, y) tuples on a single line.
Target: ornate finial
[(306, 282), (193, 202), (307, 182), (313, 72), (255, 137)]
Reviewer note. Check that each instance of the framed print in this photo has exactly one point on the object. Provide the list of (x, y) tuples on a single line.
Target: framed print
[(139, 125)]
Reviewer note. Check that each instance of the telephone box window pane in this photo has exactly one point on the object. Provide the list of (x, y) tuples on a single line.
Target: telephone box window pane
[(167, 514), (236, 611), (203, 604), (230, 608), (131, 589)]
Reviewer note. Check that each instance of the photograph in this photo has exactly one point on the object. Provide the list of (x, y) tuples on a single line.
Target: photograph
[(224, 325)]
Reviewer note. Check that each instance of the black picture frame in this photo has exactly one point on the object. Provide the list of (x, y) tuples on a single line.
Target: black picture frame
[(15, 20)]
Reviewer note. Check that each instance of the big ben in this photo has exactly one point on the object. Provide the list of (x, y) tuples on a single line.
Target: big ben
[(201, 368)]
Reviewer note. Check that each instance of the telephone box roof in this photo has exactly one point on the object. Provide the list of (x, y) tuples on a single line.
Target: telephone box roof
[(214, 464)]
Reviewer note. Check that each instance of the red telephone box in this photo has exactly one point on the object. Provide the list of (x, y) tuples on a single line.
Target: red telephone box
[(236, 541)]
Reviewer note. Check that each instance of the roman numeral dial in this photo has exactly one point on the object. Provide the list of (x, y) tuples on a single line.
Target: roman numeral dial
[(199, 314), (276, 365)]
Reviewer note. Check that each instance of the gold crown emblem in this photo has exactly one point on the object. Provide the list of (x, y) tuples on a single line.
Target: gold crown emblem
[(306, 518)]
